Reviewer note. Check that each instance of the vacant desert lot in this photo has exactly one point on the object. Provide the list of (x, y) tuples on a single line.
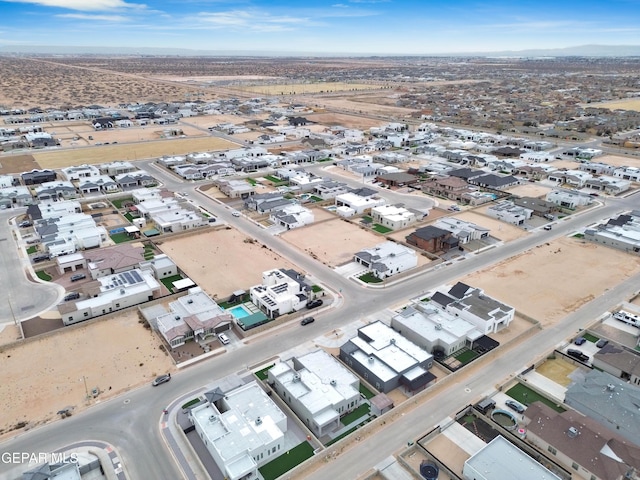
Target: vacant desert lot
[(43, 376), (333, 242), (530, 190), (619, 161), (111, 153), (300, 88), (347, 121), (220, 264), (500, 230), (545, 282), (627, 104)]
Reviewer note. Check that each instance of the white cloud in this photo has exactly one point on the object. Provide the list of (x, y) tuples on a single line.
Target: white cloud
[(84, 5), (340, 5), (253, 21), (97, 18)]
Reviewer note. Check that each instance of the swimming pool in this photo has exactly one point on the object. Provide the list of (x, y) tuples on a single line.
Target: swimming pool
[(239, 312)]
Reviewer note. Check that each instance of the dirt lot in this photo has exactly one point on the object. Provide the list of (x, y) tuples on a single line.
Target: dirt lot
[(206, 121), (629, 104), (302, 88), (111, 153), (123, 355), (530, 281), (221, 265), (348, 121), (530, 190), (557, 370), (501, 230), (619, 161), (333, 242), (17, 164)]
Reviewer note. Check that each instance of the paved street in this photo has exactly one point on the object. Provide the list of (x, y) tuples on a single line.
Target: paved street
[(130, 422)]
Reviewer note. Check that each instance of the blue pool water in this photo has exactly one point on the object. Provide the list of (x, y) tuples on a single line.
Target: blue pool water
[(239, 312)]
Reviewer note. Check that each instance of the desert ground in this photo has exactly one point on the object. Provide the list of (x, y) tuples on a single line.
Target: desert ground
[(333, 242), (500, 230), (627, 104), (123, 355), (17, 164), (303, 88), (111, 153), (206, 121), (221, 266), (619, 161), (530, 190), (344, 120), (544, 282)]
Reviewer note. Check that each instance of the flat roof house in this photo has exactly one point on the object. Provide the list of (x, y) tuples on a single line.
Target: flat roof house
[(393, 217), (317, 388), (509, 212), (622, 232), (292, 216), (387, 259), (240, 439), (281, 292), (502, 460), (464, 231), (386, 359)]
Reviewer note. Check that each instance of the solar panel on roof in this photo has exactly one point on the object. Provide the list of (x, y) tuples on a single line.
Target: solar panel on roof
[(136, 276), (127, 277)]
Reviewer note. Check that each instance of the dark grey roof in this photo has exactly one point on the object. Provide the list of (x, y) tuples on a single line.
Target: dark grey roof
[(495, 180), (620, 220), (430, 232), (364, 192), (442, 299), (465, 173), (459, 290)]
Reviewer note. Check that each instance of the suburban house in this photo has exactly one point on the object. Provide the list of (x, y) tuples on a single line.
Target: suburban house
[(387, 259), (292, 216), (609, 185), (464, 231), (619, 361), (53, 209), (473, 305), (117, 168), (35, 177), (628, 173), (500, 460), (568, 200), (240, 439), (432, 239), (15, 196), (431, 327), (509, 212), (53, 191), (66, 233), (111, 293), (349, 204), (456, 189), (494, 182), (267, 202), (97, 185), (169, 216), (317, 388), (281, 292), (329, 189), (538, 206), (195, 316), (135, 179), (108, 261), (574, 178), (80, 172), (581, 444), (393, 217), (608, 400), (622, 232), (398, 179), (387, 360), (235, 188)]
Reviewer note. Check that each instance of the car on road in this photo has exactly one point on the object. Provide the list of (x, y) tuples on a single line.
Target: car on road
[(601, 343), (515, 406), (547, 227), (223, 339), (235, 214), (307, 320), (161, 379), (578, 355), (314, 303), (77, 276), (72, 296), (579, 340)]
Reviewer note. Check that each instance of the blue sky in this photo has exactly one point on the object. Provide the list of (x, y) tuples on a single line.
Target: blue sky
[(340, 26)]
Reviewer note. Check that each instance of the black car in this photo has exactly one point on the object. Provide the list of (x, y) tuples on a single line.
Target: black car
[(40, 258), (72, 296), (601, 343), (579, 340), (578, 355), (314, 303), (515, 406), (307, 321), (161, 379), (77, 276), (25, 224)]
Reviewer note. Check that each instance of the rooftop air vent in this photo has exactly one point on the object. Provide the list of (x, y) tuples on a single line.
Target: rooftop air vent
[(573, 432), (258, 421)]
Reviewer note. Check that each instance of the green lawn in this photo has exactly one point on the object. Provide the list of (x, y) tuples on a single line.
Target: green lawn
[(149, 253), (228, 305), (526, 396), (32, 249), (380, 228), (579, 235), (118, 203), (251, 181), (262, 374), (42, 275), (426, 299), (367, 219), (191, 403), (285, 462), (315, 199), (316, 288), (168, 282), (369, 278), (368, 394), (325, 160), (361, 411), (120, 237), (466, 357), (275, 180), (129, 217), (590, 338)]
